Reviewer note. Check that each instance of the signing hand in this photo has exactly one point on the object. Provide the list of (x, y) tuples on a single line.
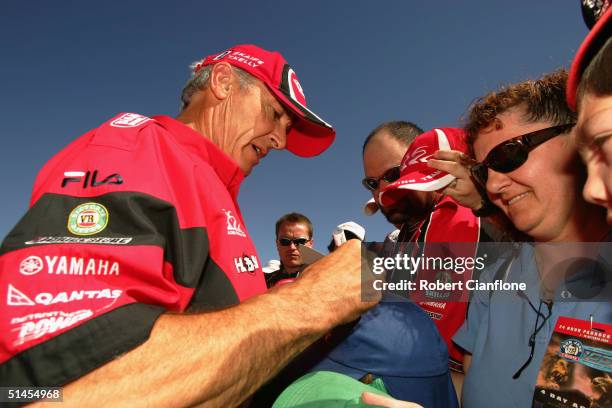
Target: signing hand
[(386, 402)]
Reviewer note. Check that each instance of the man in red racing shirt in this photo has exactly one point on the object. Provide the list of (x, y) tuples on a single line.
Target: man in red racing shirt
[(137, 221)]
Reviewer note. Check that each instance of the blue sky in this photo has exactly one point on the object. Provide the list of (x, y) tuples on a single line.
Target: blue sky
[(67, 66)]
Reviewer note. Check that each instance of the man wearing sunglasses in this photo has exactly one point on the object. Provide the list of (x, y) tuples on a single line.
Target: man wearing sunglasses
[(382, 152), (292, 230)]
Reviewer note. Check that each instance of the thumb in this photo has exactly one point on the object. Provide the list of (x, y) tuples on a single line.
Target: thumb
[(386, 402)]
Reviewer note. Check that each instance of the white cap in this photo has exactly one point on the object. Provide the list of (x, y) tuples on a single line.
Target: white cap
[(340, 238), (370, 207), (273, 266)]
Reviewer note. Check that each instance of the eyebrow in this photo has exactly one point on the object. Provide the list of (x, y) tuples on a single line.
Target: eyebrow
[(589, 124)]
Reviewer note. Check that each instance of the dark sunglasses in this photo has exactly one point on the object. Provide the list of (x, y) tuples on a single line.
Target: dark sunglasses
[(512, 154), (391, 175), (296, 241)]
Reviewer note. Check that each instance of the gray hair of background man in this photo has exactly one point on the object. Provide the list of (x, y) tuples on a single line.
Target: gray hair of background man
[(199, 81), (402, 131)]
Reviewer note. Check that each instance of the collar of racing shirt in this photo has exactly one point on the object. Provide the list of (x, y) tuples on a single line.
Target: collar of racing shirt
[(226, 168)]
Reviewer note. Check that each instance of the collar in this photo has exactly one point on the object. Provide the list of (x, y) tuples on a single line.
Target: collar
[(226, 168)]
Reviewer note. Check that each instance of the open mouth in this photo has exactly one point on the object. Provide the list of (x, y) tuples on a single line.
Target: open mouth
[(516, 198)]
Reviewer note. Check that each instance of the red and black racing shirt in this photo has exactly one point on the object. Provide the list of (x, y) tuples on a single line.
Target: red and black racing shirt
[(136, 217)]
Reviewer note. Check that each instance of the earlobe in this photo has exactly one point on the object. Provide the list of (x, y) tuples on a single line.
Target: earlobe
[(221, 78)]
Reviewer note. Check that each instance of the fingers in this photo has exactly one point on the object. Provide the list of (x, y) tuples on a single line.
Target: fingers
[(386, 402), (454, 155), (451, 162)]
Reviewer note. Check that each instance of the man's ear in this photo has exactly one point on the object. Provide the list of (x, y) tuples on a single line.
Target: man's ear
[(221, 80)]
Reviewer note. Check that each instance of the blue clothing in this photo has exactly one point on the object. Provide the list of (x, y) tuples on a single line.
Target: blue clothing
[(398, 343), (499, 326)]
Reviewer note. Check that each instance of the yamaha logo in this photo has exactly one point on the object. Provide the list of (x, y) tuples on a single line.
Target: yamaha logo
[(31, 265)]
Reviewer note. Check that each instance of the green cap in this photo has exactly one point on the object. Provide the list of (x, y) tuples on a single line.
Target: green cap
[(327, 389)]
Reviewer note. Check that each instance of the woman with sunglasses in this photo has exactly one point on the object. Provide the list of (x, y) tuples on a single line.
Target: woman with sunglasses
[(528, 163)]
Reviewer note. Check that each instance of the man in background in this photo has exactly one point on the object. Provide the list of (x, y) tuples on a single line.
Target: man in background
[(292, 230)]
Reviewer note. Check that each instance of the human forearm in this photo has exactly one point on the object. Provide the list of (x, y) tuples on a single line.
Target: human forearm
[(220, 358)]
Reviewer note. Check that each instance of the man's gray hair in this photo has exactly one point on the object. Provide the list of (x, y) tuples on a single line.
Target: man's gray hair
[(201, 79)]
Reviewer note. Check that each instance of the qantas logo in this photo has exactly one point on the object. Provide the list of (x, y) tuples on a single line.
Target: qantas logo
[(15, 297), (65, 265), (90, 179)]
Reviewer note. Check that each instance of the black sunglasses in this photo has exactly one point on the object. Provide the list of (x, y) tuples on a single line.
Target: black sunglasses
[(391, 175), (296, 241), (512, 154)]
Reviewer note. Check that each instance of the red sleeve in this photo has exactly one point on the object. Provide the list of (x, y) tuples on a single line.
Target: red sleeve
[(98, 257)]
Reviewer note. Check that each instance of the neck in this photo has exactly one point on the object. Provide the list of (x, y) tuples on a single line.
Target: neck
[(197, 117), (292, 269)]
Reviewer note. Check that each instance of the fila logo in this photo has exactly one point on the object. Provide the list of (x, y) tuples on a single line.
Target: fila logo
[(15, 297), (90, 179), (246, 264), (233, 226)]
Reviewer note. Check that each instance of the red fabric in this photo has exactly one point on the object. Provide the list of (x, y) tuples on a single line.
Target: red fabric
[(453, 223), (48, 289)]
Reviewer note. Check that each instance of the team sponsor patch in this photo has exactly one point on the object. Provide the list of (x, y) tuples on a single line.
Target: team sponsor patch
[(295, 89), (31, 265), (90, 178), (80, 240), (36, 325), (246, 263), (129, 120), (88, 219), (233, 225), (15, 297), (69, 265)]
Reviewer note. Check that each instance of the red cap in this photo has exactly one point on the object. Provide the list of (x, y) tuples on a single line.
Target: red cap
[(415, 173), (311, 135), (596, 38)]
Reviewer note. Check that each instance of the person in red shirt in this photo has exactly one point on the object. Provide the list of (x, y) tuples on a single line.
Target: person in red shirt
[(136, 222)]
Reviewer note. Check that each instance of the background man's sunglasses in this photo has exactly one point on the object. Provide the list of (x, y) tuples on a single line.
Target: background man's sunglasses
[(512, 154), (296, 241), (391, 175)]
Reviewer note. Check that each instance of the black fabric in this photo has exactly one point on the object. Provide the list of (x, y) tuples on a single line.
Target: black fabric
[(274, 277), (215, 291), (81, 349), (145, 219)]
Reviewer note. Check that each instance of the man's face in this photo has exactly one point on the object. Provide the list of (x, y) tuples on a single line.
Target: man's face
[(253, 122), (382, 153), (539, 197), (289, 254), (593, 134)]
